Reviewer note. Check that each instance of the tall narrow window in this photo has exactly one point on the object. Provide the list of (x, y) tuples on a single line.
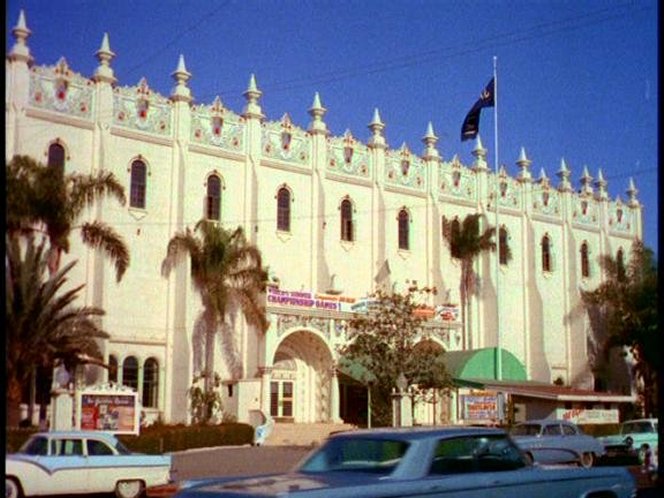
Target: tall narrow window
[(56, 157), (502, 245), (404, 221), (620, 263), (112, 369), (456, 235), (283, 210), (150, 383), (585, 263), (130, 372), (346, 220), (213, 200), (546, 253), (138, 180)]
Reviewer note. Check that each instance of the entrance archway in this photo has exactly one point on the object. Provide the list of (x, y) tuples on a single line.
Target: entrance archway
[(303, 380)]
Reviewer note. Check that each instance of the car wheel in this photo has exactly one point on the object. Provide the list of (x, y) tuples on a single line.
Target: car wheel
[(129, 489), (587, 460), (529, 459), (12, 488)]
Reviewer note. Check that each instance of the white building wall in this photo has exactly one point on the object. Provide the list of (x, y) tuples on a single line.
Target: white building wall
[(152, 316)]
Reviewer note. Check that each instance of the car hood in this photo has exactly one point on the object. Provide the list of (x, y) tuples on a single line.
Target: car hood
[(274, 485)]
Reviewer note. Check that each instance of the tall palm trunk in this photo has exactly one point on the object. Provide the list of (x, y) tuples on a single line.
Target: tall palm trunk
[(14, 394)]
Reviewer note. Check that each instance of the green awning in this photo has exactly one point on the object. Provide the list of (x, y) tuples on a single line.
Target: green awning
[(481, 364), (356, 371)]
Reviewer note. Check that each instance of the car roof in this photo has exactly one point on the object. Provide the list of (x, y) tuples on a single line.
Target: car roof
[(77, 434), (546, 421), (414, 433)]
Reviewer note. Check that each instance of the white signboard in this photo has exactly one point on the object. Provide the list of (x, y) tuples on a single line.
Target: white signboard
[(589, 416)]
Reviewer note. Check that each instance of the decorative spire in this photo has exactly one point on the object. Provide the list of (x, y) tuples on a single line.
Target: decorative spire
[(376, 126), (181, 92), (543, 179), (480, 154), (601, 185), (105, 55), (564, 175), (20, 51), (586, 182), (631, 194), (524, 164), (317, 111), (252, 94), (429, 139)]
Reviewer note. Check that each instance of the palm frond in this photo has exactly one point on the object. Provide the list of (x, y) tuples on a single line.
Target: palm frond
[(98, 235)]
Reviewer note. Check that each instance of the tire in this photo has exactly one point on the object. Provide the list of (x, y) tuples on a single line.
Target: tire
[(13, 488), (529, 459), (129, 489), (587, 460)]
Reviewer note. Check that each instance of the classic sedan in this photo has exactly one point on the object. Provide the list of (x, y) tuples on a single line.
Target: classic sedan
[(631, 438), (76, 462), (556, 441), (450, 462)]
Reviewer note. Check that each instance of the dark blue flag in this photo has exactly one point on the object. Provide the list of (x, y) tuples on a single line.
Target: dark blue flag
[(471, 125)]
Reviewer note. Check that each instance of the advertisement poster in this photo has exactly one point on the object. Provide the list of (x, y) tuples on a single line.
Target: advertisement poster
[(116, 413), (480, 406)]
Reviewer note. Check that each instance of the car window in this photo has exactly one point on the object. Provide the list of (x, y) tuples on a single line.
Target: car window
[(568, 430), (525, 430), (121, 448), (552, 430), (35, 446), (66, 447), (378, 456), (98, 448), (475, 454)]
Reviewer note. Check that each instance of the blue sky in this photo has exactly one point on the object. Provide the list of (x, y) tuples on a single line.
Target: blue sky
[(576, 79)]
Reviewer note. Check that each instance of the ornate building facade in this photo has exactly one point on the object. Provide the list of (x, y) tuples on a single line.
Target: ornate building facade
[(334, 217)]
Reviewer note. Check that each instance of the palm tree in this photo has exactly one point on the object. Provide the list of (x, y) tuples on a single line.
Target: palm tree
[(41, 323), (226, 271), (466, 243), (43, 199), (628, 304)]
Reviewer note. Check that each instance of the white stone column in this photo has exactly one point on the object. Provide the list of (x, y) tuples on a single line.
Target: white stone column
[(266, 378), (334, 397)]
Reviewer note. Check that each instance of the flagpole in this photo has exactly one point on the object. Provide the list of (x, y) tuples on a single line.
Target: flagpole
[(499, 356)]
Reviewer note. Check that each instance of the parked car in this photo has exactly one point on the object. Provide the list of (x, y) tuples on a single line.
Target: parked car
[(553, 441), (631, 438), (75, 462), (471, 462)]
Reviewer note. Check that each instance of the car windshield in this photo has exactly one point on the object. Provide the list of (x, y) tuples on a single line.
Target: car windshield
[(379, 456), (638, 427), (525, 430), (37, 445), (121, 448)]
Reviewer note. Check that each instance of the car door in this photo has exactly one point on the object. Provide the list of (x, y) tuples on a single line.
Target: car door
[(104, 467), (66, 465)]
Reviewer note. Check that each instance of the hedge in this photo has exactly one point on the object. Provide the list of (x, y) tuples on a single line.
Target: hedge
[(162, 438)]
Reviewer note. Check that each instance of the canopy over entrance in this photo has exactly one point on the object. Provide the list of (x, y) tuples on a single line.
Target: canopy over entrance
[(481, 364)]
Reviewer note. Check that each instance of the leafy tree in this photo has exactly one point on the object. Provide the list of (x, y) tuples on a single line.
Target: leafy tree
[(466, 243), (390, 340), (227, 272), (43, 199), (41, 323), (627, 302)]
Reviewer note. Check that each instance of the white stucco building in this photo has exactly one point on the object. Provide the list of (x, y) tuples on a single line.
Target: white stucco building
[(334, 217)]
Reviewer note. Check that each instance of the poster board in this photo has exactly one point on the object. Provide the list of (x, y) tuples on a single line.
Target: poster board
[(112, 409)]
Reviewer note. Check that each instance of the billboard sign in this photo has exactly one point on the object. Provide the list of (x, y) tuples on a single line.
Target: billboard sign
[(111, 410)]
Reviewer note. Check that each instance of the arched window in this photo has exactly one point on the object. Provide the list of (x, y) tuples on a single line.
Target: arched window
[(456, 233), (112, 369), (404, 234), (138, 180), (283, 209), (346, 220), (151, 383), (56, 157), (620, 263), (502, 245), (546, 253), (213, 201), (585, 263), (130, 372)]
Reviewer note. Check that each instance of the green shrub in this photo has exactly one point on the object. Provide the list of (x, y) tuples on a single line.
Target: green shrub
[(161, 438)]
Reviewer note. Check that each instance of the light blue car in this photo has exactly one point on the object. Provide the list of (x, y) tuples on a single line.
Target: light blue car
[(469, 462), (551, 441)]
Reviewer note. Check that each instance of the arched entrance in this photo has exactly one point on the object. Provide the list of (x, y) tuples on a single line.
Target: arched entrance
[(303, 381)]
